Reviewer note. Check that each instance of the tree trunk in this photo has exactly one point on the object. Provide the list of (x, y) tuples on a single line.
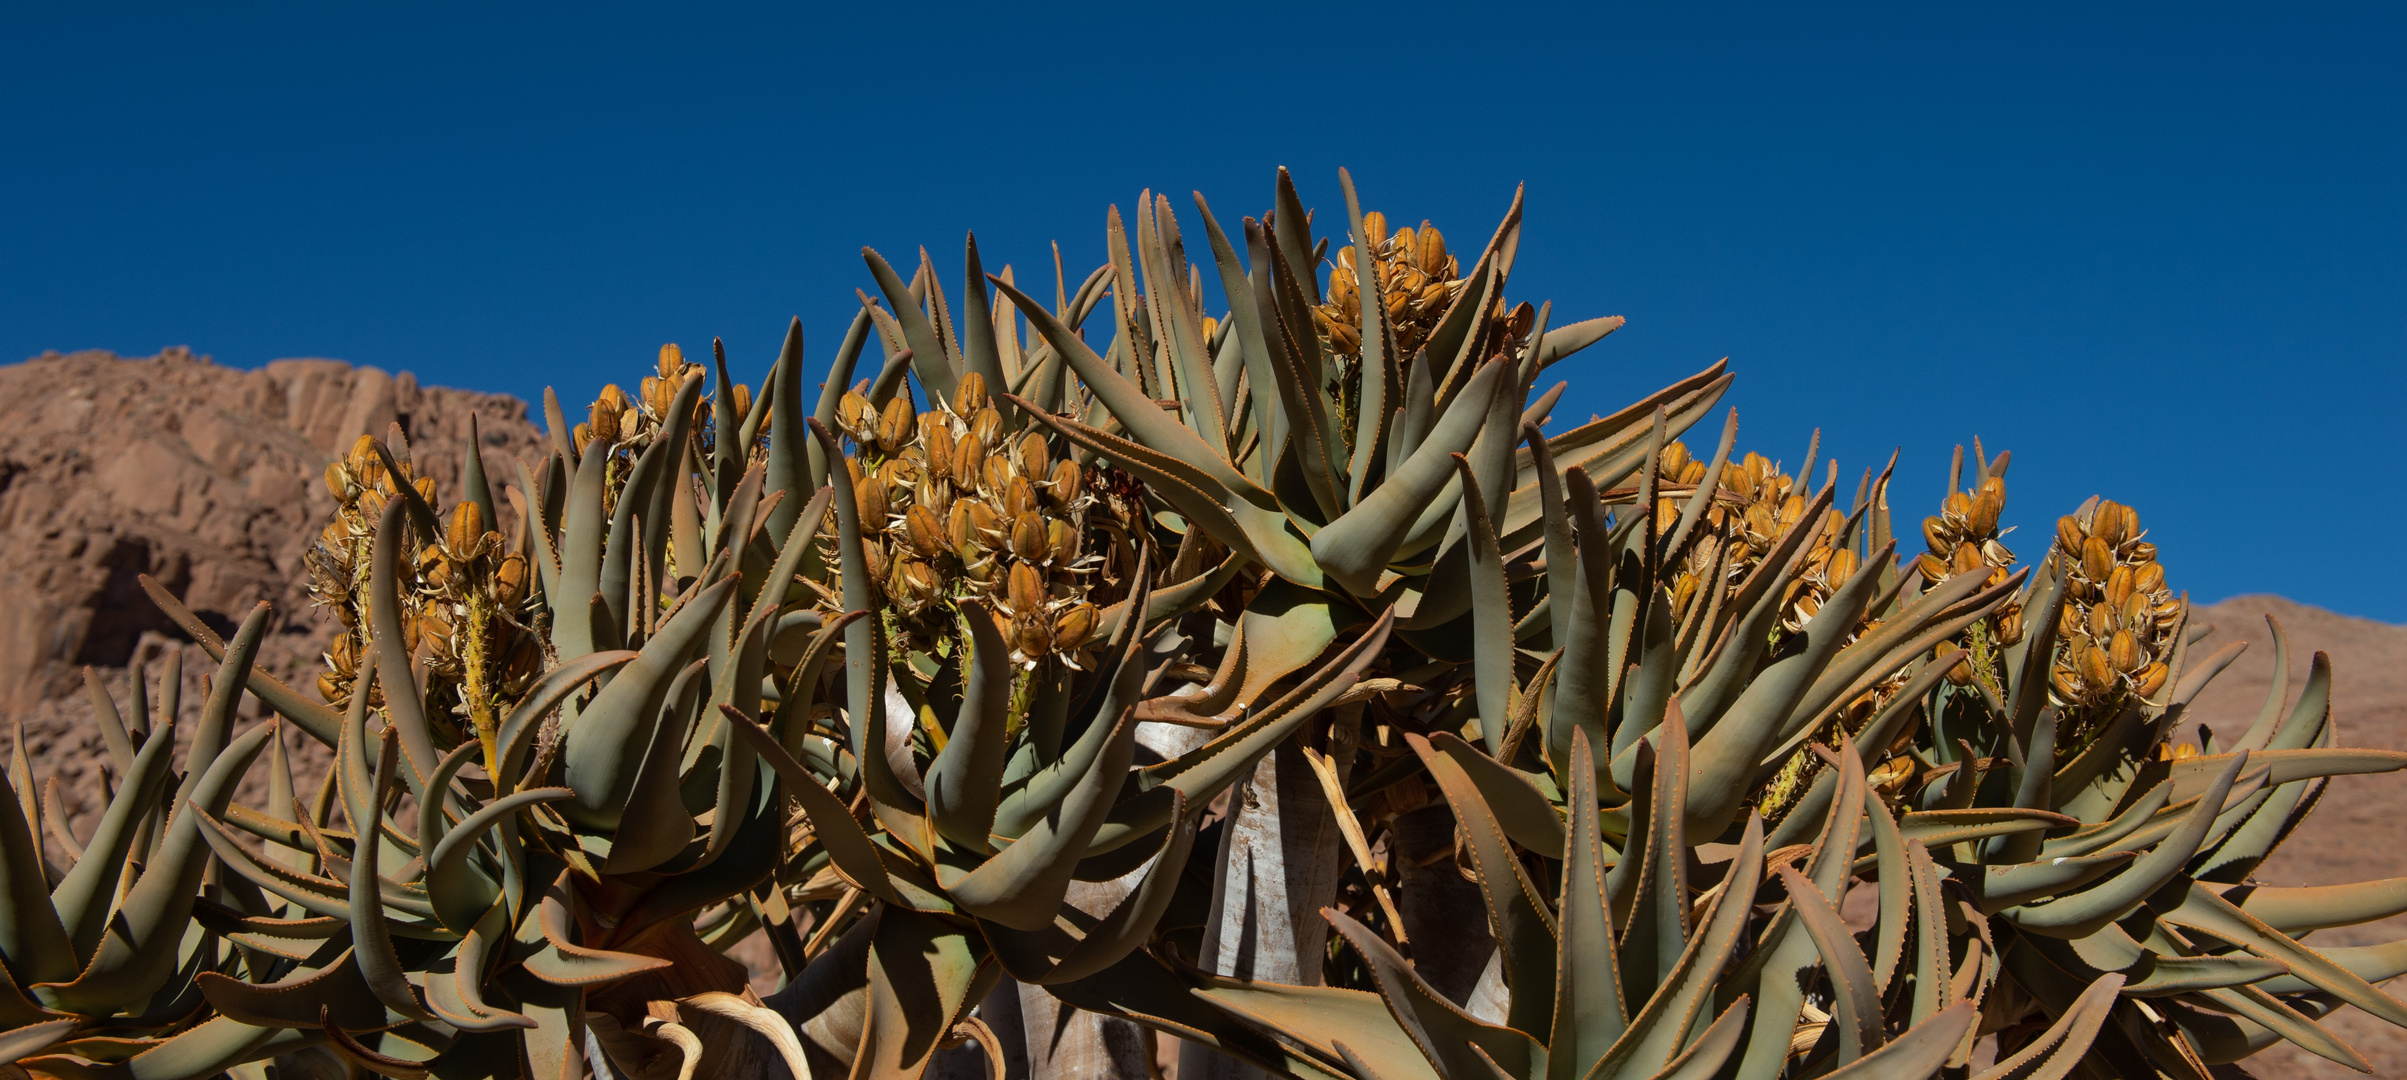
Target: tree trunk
[(1445, 916), (1279, 866)]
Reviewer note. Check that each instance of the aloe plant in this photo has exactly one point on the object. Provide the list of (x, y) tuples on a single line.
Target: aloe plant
[(866, 674)]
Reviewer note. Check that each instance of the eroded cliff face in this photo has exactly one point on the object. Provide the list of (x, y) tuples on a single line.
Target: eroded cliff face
[(205, 477)]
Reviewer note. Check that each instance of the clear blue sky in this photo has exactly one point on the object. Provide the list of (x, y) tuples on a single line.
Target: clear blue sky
[(2160, 254)]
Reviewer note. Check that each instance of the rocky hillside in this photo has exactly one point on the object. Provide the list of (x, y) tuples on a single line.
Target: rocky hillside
[(205, 477), (2357, 831)]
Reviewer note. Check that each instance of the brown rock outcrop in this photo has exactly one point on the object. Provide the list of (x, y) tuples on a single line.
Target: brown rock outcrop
[(207, 478)]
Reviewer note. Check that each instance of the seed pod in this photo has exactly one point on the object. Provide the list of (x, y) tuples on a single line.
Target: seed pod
[(988, 424), (1683, 591), (1061, 542), (1025, 588), (969, 395), (1761, 525), (2124, 652), (2096, 668), (969, 460), (1842, 566), (1935, 533), (2097, 559), (2102, 622), (2131, 523), (2068, 622), (2149, 579), (1934, 569), (2150, 679), (2010, 627), (1960, 673), (1982, 521), (2069, 534), (1996, 554), (2107, 523), (510, 580), (855, 415), (604, 422), (1000, 472), (896, 425), (1018, 497), (2136, 612), (742, 400), (1431, 246), (984, 524), (2066, 684), (2119, 584), (466, 531), (1957, 506), (1028, 537), (1968, 559), (1032, 636), (1035, 457), (1674, 460), (2143, 552), (1892, 775), (1073, 626), (871, 499), (1064, 485), (934, 494), (924, 532), (937, 441), (897, 475), (913, 584)]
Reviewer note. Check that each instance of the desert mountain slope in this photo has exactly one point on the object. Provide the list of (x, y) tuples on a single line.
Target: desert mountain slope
[(2359, 831), (207, 478)]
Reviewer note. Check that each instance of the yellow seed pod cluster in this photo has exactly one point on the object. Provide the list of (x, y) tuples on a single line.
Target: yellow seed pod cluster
[(1418, 276), (2118, 616), (631, 422), (471, 603), (338, 561), (1756, 503), (953, 508), (465, 598), (1964, 537)]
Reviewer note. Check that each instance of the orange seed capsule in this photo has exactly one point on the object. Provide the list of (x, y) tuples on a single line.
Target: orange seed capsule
[(1025, 588), (2150, 679), (466, 529), (2097, 559), (1035, 459), (2096, 668), (2069, 534), (970, 395), (1028, 537), (1074, 626), (1935, 533), (923, 531), (2124, 652)]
